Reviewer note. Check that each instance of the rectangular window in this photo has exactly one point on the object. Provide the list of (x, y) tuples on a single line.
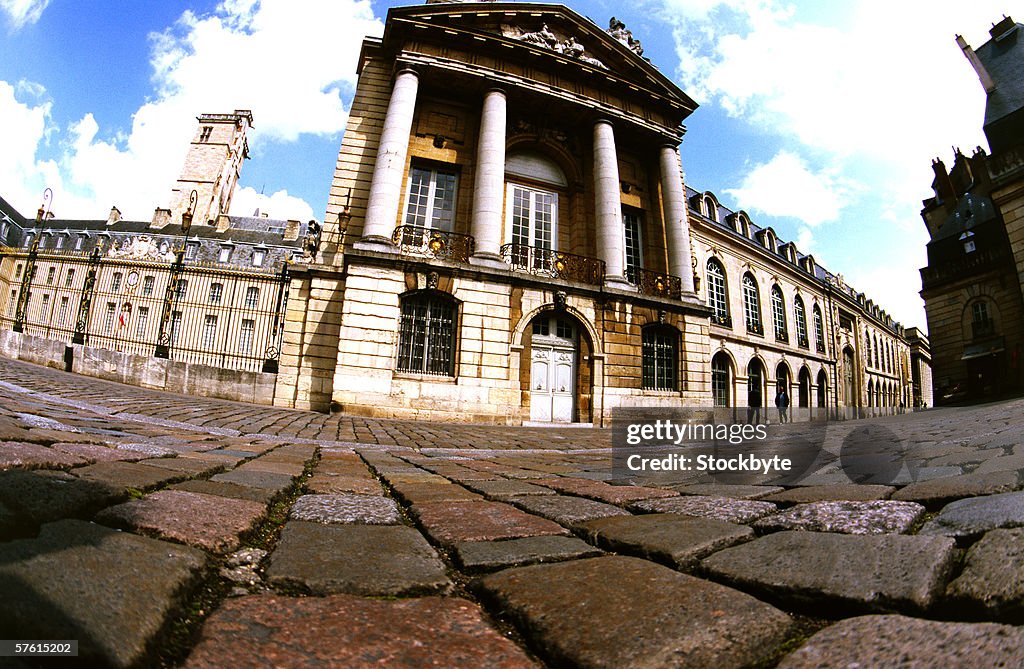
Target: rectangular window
[(43, 315), (216, 293), (108, 321), (258, 256), (252, 297), (12, 304), (634, 255), (62, 314), (431, 199), (206, 132), (59, 244), (115, 283), (191, 251), (79, 242), (245, 335), (175, 326), (426, 338), (659, 358), (69, 278), (209, 331), (147, 285), (28, 240), (141, 321), (225, 254), (180, 289), (51, 275), (17, 272)]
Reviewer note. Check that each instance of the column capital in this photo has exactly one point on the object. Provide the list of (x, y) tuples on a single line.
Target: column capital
[(405, 69), (496, 89), (605, 120)]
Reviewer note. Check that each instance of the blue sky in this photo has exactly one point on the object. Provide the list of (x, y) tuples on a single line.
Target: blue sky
[(819, 119)]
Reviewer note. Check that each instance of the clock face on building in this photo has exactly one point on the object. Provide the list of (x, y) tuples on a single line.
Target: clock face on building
[(133, 279)]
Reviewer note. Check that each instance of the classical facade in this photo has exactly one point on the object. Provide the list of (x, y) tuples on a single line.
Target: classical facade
[(508, 239), (972, 285)]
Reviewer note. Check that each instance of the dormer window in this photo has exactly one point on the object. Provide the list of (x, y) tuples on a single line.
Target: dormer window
[(967, 239), (711, 209)]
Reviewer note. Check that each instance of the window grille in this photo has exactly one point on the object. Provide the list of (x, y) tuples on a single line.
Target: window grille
[(427, 336)]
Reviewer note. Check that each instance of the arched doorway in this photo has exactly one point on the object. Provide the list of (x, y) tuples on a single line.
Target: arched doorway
[(804, 395), (755, 388), (721, 379), (822, 388), (554, 367), (849, 388)]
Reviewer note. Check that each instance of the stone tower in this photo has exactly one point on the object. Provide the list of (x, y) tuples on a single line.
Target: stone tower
[(212, 166)]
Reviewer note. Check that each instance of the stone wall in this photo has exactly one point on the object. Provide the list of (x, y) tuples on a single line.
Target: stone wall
[(143, 371)]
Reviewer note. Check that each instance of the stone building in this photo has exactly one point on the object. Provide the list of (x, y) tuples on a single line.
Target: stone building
[(972, 285), (509, 238)]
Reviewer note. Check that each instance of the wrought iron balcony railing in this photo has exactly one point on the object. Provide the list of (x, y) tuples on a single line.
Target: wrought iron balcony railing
[(802, 341), (755, 328), (417, 240), (555, 264), (782, 336), (654, 283), (725, 320), (819, 346)]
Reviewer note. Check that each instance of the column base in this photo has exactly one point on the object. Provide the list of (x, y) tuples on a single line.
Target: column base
[(619, 282), (375, 243), (492, 260)]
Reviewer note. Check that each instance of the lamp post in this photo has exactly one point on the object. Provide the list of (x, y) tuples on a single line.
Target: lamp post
[(24, 292), (165, 338)]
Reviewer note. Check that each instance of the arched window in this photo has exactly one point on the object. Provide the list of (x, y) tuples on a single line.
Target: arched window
[(819, 330), (800, 316), (721, 380), (752, 305), (660, 345), (711, 209), (871, 393), (877, 363), (717, 297), (426, 335), (779, 315), (867, 350)]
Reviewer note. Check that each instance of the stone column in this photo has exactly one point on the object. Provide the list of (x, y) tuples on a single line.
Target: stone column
[(611, 239), (677, 226), (489, 183), (386, 186)]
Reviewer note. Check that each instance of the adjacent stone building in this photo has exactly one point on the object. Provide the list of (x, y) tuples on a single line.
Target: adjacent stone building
[(972, 285)]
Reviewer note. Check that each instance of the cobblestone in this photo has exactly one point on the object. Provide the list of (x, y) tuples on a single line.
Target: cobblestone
[(877, 517), (355, 633), (641, 615), (898, 641), (719, 508), (373, 560), (345, 509), (887, 572), (573, 604)]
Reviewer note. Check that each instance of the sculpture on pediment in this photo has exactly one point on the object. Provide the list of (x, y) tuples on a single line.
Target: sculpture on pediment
[(619, 31), (138, 248), (568, 47)]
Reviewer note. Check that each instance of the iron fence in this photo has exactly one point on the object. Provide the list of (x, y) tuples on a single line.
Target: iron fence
[(217, 315)]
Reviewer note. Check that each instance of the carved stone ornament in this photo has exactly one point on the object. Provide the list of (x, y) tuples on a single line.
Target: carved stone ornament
[(618, 30), (561, 298), (138, 248), (432, 280), (568, 46)]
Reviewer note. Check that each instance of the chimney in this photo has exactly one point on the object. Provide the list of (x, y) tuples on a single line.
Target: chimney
[(942, 186), (1003, 28), (291, 231), (986, 78), (114, 217)]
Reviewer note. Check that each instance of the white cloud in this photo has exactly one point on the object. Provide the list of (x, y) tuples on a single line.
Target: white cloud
[(894, 287), (23, 12), (279, 205), (291, 62), (24, 128), (784, 186)]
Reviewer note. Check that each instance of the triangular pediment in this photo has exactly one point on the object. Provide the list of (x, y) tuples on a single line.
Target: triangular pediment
[(545, 31)]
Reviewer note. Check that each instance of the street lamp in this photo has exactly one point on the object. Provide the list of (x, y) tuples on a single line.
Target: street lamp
[(30, 263), (164, 340)]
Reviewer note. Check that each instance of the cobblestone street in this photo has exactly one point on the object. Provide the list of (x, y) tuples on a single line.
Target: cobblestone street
[(164, 530)]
